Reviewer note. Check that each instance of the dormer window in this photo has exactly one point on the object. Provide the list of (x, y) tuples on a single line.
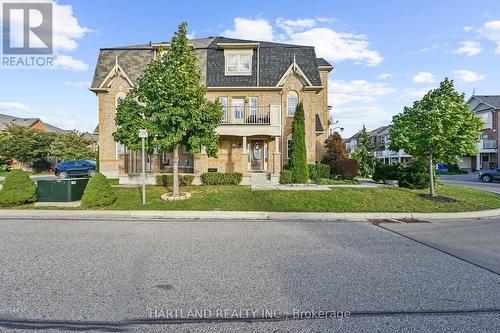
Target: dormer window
[(238, 62)]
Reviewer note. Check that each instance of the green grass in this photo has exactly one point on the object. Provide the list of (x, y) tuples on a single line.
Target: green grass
[(335, 200)]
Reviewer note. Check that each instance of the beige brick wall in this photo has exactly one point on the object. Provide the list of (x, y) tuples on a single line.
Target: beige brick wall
[(109, 164), (230, 158)]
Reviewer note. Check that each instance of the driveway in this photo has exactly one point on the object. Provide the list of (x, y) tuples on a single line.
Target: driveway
[(470, 180), (249, 276)]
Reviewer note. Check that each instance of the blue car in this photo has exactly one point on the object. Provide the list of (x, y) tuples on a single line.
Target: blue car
[(75, 168), (489, 175)]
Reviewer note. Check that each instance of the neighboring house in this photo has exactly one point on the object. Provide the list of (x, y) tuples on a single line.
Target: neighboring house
[(487, 108), (259, 85), (380, 142), (34, 123)]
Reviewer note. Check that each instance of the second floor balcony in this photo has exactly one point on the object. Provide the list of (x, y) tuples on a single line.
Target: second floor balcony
[(251, 120), (251, 115)]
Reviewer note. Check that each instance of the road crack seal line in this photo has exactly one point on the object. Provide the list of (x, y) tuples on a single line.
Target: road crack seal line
[(437, 249)]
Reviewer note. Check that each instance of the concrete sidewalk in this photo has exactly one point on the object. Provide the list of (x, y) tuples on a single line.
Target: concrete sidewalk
[(233, 215)]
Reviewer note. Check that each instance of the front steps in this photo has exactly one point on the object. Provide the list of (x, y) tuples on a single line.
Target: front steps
[(263, 178)]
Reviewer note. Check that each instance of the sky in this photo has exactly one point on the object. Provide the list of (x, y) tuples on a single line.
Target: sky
[(386, 53)]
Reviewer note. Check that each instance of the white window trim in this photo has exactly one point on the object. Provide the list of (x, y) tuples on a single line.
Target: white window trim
[(238, 52), (287, 96), (225, 108), (288, 139)]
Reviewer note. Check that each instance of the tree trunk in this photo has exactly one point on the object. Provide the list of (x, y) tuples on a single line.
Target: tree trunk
[(431, 174), (176, 171)]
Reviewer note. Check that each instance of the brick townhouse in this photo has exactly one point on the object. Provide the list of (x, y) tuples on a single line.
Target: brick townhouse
[(259, 85), (487, 108)]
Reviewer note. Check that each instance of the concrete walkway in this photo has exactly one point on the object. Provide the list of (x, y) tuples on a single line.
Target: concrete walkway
[(233, 215)]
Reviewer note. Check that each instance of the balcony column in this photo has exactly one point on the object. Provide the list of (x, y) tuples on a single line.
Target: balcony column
[(277, 156), (478, 162), (244, 155)]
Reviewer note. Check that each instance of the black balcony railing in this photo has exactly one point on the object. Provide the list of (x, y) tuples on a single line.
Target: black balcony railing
[(247, 115)]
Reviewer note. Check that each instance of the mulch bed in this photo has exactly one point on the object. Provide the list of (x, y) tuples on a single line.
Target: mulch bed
[(438, 198)]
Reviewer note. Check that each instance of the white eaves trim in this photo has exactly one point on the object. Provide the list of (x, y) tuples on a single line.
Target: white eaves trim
[(115, 71)]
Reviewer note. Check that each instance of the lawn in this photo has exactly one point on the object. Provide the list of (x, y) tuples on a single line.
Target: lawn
[(384, 199)]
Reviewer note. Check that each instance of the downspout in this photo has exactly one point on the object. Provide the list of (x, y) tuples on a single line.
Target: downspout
[(258, 65)]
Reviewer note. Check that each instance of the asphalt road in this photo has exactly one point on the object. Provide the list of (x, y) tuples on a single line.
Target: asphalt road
[(145, 276), (470, 180)]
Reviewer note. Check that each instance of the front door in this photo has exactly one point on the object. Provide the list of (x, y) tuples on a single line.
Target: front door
[(257, 155)]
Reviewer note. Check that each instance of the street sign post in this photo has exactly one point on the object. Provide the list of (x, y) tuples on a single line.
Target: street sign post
[(143, 134)]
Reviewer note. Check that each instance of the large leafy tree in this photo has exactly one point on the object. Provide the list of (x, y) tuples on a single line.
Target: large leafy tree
[(71, 146), (170, 103), (24, 144), (363, 153), (335, 149), (438, 129), (298, 154)]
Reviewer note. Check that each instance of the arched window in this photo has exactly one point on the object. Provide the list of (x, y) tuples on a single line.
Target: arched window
[(292, 99), (289, 143), (120, 95)]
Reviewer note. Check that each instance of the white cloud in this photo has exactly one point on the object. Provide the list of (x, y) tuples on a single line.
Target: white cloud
[(66, 28), (258, 29), (77, 84), (491, 30), (384, 76), (408, 96), (468, 76), (424, 77), (364, 112), (338, 46), (497, 50), (68, 63), (345, 92), (60, 113), (291, 26), (469, 49), (468, 28), (15, 107), (329, 44)]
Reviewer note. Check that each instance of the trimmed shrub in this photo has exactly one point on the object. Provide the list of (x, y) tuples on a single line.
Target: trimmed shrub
[(416, 176), (168, 180), (413, 176), (345, 169), (286, 176), (18, 189), (98, 192), (221, 178), (319, 170), (385, 172), (298, 154)]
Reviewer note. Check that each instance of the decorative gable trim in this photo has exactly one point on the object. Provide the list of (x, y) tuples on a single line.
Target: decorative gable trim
[(294, 68), (117, 70)]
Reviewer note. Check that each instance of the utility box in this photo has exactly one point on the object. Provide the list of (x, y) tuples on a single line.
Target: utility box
[(61, 190)]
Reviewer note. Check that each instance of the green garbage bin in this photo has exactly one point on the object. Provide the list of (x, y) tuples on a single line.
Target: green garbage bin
[(61, 190)]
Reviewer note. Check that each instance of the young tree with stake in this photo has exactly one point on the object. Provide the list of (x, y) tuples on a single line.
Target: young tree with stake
[(439, 128), (170, 103)]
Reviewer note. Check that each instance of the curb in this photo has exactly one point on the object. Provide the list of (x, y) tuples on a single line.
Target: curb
[(234, 215)]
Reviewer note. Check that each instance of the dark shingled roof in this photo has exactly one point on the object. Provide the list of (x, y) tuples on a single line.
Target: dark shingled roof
[(323, 63), (6, 120), (275, 59), (319, 126), (493, 100)]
